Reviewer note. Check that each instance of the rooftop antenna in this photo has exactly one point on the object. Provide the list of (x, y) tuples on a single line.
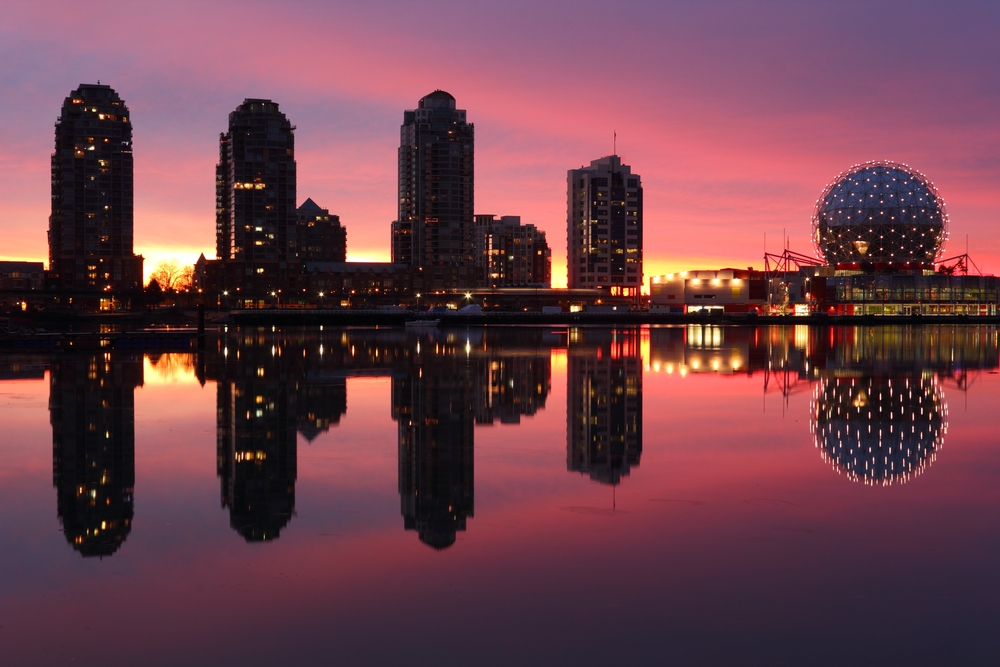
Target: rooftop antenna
[(614, 143)]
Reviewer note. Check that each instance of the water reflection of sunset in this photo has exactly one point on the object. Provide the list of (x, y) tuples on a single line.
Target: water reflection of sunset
[(169, 367), (520, 449)]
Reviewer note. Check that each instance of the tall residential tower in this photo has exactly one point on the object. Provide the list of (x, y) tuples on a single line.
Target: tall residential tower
[(90, 229), (433, 232), (604, 227), (255, 221)]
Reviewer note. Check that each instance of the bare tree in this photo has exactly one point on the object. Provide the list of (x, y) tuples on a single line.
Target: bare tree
[(172, 277)]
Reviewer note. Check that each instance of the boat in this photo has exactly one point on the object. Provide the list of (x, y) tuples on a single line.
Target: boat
[(421, 324)]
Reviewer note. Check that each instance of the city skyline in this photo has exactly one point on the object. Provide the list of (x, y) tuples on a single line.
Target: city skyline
[(731, 115)]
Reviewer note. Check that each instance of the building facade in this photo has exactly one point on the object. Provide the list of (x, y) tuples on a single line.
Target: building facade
[(433, 230), (90, 229), (256, 217), (357, 283), (604, 227), (725, 290), (21, 276), (320, 236), (509, 254)]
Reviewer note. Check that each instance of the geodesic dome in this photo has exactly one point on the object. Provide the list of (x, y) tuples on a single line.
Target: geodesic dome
[(880, 213)]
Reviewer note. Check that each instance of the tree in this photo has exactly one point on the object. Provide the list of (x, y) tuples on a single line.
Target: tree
[(171, 277)]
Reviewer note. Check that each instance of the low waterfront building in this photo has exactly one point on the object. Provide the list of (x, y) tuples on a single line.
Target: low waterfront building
[(723, 290), (358, 283), (821, 289), (22, 285), (22, 276), (921, 293)]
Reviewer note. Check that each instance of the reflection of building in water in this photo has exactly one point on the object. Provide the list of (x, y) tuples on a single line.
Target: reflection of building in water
[(878, 412), (879, 430), (604, 404), (23, 367), (271, 383), (256, 443), (708, 348), (322, 401), (510, 386), (809, 352), (92, 410), (433, 404)]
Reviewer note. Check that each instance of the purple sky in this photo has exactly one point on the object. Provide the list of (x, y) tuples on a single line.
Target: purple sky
[(736, 114)]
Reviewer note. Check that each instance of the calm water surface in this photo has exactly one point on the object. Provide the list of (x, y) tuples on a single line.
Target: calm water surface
[(692, 495)]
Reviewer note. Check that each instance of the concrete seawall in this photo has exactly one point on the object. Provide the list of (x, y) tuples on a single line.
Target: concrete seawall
[(378, 318)]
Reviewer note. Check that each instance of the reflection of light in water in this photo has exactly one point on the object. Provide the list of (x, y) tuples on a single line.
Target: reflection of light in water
[(169, 367), (701, 336), (801, 336), (879, 430)]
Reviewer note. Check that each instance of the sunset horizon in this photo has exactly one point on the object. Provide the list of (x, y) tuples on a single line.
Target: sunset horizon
[(735, 139)]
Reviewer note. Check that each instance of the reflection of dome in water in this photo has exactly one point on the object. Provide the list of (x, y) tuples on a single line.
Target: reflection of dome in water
[(879, 430)]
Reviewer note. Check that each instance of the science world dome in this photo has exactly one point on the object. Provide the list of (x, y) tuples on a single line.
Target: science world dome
[(880, 213), (879, 431)]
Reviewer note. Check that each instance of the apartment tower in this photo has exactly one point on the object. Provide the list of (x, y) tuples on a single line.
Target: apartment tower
[(256, 216), (90, 229), (433, 230), (604, 227)]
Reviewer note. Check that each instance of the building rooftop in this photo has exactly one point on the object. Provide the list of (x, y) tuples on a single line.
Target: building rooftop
[(436, 100), (310, 205)]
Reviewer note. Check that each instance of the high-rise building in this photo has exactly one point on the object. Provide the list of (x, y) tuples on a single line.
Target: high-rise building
[(256, 218), (433, 230), (509, 254), (90, 229), (321, 237), (604, 227)]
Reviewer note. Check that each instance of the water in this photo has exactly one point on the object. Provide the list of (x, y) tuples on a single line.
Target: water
[(692, 495)]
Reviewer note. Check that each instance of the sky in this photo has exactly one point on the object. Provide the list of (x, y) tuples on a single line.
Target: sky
[(736, 114)]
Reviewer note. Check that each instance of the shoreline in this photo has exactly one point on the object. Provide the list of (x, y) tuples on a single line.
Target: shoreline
[(180, 332)]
